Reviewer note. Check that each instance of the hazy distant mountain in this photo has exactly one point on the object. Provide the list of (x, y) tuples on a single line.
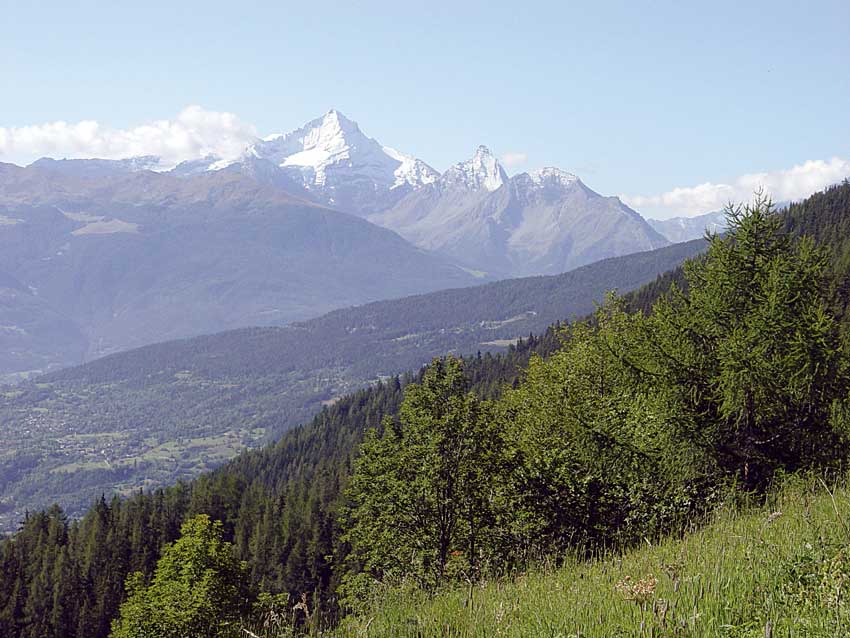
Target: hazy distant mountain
[(90, 168), (260, 170), (33, 334), (542, 222), (119, 253), (118, 259), (679, 229)]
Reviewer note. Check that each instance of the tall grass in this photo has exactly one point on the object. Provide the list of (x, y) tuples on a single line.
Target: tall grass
[(782, 569)]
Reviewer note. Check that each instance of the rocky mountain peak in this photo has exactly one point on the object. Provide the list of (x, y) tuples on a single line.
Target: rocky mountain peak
[(482, 172)]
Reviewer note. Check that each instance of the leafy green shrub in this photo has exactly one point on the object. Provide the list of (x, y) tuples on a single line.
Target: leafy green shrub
[(198, 589)]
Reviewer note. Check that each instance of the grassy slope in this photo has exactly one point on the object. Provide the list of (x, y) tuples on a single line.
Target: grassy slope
[(785, 564)]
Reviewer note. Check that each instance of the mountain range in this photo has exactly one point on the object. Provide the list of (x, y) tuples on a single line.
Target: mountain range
[(280, 504), (678, 229), (98, 256), (542, 222)]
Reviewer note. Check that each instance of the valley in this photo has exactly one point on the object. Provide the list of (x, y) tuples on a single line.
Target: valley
[(169, 411)]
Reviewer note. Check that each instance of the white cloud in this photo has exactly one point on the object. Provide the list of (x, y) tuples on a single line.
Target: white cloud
[(195, 132), (793, 183), (511, 160)]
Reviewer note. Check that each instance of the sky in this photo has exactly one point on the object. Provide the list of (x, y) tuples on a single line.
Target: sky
[(677, 107)]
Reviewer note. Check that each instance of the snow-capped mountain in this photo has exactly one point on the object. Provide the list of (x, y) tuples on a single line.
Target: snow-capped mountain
[(333, 160), (481, 173), (199, 166), (330, 161), (97, 264), (542, 222)]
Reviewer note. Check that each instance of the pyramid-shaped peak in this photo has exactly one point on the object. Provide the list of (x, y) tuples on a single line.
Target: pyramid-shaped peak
[(331, 151), (337, 118), (483, 171), (328, 138)]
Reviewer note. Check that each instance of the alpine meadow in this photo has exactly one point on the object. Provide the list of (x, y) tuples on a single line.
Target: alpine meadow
[(554, 342)]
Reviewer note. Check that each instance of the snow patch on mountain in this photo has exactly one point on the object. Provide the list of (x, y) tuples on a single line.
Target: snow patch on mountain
[(411, 171), (551, 176), (199, 166)]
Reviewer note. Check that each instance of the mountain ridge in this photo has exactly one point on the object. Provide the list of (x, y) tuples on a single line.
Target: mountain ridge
[(541, 222), (678, 229)]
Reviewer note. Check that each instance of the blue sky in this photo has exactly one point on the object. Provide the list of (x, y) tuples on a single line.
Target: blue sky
[(638, 99)]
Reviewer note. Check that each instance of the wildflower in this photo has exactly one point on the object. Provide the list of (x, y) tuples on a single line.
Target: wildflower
[(640, 592)]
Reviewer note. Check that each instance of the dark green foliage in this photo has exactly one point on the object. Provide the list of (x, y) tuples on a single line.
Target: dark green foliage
[(278, 506), (751, 355), (824, 218), (626, 432), (588, 462), (82, 566)]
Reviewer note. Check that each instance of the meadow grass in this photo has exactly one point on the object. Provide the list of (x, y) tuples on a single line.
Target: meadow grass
[(781, 569)]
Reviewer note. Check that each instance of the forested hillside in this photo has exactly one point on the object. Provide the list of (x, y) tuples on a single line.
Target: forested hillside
[(632, 427), (278, 506), (166, 412)]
